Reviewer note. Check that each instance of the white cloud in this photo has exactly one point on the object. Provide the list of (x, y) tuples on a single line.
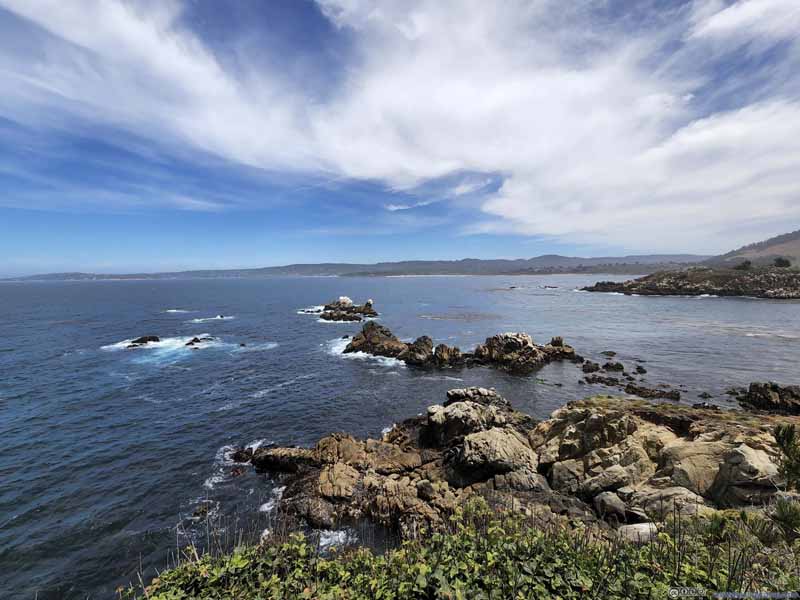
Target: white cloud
[(748, 19), (591, 127)]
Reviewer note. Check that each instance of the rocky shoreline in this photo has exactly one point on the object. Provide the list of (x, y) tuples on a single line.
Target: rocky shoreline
[(612, 463), (768, 282)]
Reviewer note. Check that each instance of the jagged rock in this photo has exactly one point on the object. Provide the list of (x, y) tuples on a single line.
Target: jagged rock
[(517, 353), (590, 367), (377, 340), (566, 475), (447, 356), (640, 370), (283, 460), (773, 398), (491, 452), (337, 480), (343, 309), (479, 395), (523, 480), (634, 461), (610, 479), (419, 352), (456, 420)]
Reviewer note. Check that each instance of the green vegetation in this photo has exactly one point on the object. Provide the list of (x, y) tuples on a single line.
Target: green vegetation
[(487, 555), (745, 265), (789, 446), (782, 263)]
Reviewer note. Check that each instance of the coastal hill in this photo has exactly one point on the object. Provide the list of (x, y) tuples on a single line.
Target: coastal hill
[(762, 253), (767, 269), (540, 265)]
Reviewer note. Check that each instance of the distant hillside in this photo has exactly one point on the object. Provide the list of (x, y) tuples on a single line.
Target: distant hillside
[(540, 265), (786, 246)]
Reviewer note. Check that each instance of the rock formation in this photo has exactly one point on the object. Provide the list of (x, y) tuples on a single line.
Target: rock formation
[(343, 309), (512, 352), (604, 460), (771, 282), (772, 397)]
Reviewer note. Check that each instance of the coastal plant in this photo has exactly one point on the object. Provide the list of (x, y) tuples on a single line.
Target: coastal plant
[(745, 265), (789, 462), (782, 262), (483, 554)]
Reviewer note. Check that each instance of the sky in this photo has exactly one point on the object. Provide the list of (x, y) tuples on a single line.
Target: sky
[(152, 135)]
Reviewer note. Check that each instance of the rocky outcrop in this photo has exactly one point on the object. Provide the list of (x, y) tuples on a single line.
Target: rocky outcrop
[(776, 283), (343, 309), (196, 341), (512, 352), (772, 397), (377, 340), (142, 341), (517, 352), (605, 461)]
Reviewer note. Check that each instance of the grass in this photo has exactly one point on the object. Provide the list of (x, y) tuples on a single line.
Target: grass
[(488, 555)]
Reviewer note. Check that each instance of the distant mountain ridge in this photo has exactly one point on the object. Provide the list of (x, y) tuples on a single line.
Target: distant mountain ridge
[(547, 264)]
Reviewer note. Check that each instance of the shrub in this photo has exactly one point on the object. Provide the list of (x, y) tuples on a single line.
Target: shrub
[(487, 555), (789, 446), (745, 265), (782, 262)]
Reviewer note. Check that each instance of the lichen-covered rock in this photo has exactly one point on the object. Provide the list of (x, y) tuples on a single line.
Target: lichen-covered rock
[(746, 476), (491, 452)]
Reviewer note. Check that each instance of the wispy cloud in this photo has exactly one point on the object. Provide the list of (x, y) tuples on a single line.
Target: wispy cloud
[(604, 127)]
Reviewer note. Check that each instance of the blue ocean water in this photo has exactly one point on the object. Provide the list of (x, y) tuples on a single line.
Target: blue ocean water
[(107, 453)]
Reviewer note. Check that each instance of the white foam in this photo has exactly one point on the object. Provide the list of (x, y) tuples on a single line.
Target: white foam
[(210, 319), (213, 481), (169, 344), (336, 348), (257, 347), (335, 537), (311, 310), (255, 445), (177, 310), (344, 322), (270, 504), (386, 430)]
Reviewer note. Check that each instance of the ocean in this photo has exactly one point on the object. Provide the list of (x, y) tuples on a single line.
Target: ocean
[(111, 458)]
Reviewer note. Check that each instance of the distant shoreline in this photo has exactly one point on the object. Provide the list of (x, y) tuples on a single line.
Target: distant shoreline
[(287, 276)]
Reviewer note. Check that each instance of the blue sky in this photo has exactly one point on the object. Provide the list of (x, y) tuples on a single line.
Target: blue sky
[(147, 135)]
